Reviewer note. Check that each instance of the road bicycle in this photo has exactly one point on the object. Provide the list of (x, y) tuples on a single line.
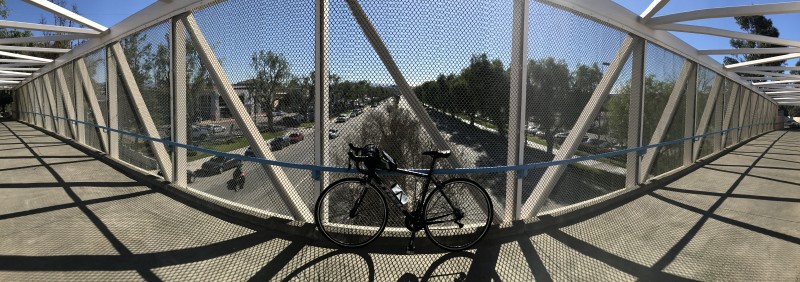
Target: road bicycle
[(353, 212)]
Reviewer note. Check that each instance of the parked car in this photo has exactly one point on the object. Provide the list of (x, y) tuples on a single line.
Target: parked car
[(353, 114), (199, 133), (333, 133), (341, 118), (597, 143), (215, 128), (279, 143), (295, 137), (249, 152), (220, 163)]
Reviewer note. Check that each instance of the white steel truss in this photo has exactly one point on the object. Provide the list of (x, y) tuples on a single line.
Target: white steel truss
[(727, 33), (724, 12), (744, 101), (46, 27), (140, 108), (58, 10), (570, 145), (284, 187)]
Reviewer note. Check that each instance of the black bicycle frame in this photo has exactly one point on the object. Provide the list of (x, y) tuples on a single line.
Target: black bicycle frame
[(372, 177)]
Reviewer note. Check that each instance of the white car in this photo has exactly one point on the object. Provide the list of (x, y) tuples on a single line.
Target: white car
[(216, 128)]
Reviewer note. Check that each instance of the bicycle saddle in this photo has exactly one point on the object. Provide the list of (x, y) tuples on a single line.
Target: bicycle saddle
[(438, 154)]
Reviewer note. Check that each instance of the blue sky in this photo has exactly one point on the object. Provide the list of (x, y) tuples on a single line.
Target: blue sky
[(104, 12), (787, 24), (425, 37)]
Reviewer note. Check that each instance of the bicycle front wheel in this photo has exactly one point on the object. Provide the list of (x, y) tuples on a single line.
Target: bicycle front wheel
[(351, 213), (458, 214)]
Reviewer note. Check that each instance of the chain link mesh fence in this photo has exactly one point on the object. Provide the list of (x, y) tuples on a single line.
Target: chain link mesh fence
[(97, 72), (560, 82), (706, 79), (92, 133), (451, 57)]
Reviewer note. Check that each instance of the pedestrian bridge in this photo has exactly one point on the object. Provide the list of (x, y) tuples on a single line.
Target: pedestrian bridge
[(610, 148)]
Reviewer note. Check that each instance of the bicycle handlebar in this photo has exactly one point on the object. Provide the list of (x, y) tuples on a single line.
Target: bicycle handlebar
[(357, 159)]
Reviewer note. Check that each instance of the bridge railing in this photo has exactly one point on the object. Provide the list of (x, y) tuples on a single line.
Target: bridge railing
[(547, 105)]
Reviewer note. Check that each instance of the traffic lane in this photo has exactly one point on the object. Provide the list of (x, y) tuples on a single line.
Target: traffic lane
[(258, 188)]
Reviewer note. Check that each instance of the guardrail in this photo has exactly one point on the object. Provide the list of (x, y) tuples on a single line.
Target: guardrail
[(315, 169)]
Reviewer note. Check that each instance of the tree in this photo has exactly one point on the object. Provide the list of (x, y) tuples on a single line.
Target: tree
[(658, 92), (299, 94), (584, 81), (758, 25), (548, 83), (272, 72), (487, 89), (59, 21)]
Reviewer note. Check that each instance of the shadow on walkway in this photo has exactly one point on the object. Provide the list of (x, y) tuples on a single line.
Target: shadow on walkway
[(113, 228)]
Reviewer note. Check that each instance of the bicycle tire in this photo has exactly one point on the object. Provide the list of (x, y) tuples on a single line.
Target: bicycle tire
[(332, 213), (469, 198)]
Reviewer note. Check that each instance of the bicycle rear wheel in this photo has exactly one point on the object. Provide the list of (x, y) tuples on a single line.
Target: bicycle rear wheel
[(458, 214), (351, 213)]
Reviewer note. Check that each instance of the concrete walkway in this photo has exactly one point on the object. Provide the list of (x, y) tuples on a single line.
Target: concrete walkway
[(67, 216)]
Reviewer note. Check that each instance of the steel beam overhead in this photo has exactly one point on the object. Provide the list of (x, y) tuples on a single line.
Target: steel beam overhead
[(774, 78), (21, 40), (768, 68), (726, 12), (23, 61), (773, 74), (26, 57), (775, 82), (651, 10), (749, 51), (17, 69), (765, 60), (61, 11), (553, 174), (782, 92), (727, 33), (33, 49), (47, 27), (8, 81), (283, 186), (140, 108), (13, 73)]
